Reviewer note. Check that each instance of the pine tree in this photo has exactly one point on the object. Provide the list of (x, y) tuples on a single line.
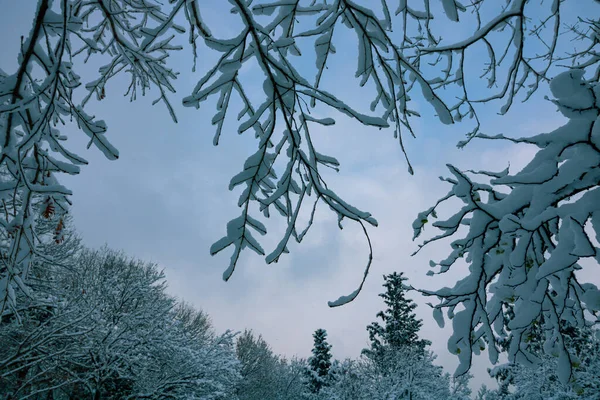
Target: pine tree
[(320, 362), (400, 326)]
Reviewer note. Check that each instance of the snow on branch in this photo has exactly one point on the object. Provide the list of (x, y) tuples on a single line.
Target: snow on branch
[(287, 94), (524, 247), (394, 67), (136, 37), (40, 97)]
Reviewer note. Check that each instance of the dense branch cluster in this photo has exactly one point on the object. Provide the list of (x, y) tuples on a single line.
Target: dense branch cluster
[(39, 98), (524, 247), (101, 326), (136, 37)]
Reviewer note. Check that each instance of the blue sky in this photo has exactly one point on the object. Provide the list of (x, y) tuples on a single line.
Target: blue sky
[(166, 200)]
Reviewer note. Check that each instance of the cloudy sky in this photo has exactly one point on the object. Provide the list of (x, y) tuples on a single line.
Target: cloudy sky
[(166, 200)]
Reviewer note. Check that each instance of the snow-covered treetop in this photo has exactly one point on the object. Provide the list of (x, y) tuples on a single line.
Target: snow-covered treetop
[(400, 327)]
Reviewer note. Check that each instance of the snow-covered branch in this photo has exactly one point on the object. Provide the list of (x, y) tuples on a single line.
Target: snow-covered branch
[(136, 37), (524, 247)]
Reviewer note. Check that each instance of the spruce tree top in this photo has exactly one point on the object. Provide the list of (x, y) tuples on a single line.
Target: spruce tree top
[(320, 362), (400, 326)]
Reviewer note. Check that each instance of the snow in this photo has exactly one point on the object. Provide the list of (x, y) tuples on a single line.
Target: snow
[(450, 9), (591, 296), (344, 299), (522, 248), (440, 108), (529, 260), (568, 84), (439, 317)]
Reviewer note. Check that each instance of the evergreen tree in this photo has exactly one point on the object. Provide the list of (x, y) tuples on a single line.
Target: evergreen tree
[(400, 326), (320, 362)]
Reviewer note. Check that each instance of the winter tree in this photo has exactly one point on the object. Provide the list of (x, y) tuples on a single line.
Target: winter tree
[(348, 383), (258, 364), (30, 338), (485, 394), (319, 363), (410, 374), (459, 387), (108, 330), (397, 363), (291, 379), (261, 369), (524, 241), (400, 329), (191, 361), (266, 375)]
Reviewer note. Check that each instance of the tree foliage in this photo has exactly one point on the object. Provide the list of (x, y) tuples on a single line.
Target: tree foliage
[(107, 329), (397, 363), (319, 364), (401, 327), (409, 374), (542, 381), (266, 375), (524, 247)]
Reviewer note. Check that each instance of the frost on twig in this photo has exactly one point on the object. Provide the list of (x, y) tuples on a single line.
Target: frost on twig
[(39, 98), (401, 56), (524, 247), (392, 61), (287, 95)]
